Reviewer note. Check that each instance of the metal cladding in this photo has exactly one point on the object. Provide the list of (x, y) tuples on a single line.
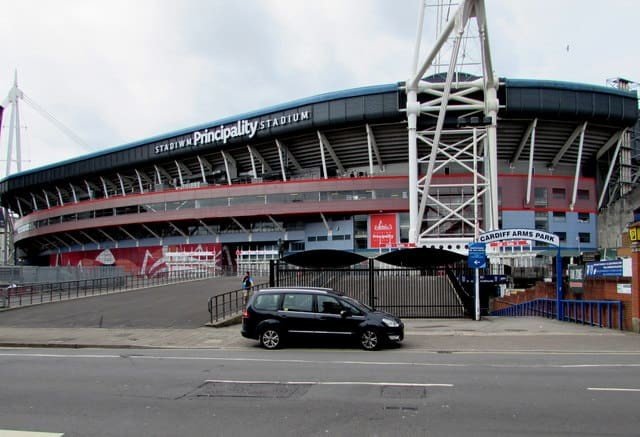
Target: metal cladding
[(521, 98)]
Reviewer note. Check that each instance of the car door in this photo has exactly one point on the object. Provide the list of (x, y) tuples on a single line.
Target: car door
[(331, 321), (297, 313)]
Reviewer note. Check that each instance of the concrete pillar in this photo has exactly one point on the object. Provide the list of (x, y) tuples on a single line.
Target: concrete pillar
[(635, 287)]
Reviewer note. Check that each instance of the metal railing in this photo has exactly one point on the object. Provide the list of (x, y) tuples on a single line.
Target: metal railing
[(230, 303), (602, 313), (29, 294)]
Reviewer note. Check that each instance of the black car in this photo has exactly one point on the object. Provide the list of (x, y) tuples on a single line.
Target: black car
[(273, 314)]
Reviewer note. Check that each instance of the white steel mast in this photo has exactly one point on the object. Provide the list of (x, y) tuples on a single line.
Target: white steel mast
[(458, 135)]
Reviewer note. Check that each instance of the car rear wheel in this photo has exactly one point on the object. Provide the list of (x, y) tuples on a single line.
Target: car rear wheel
[(369, 340), (270, 338)]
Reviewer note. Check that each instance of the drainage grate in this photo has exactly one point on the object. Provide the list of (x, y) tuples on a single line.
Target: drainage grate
[(401, 392), (250, 390)]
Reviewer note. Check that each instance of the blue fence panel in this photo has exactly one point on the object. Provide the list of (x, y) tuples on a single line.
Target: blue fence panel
[(577, 311)]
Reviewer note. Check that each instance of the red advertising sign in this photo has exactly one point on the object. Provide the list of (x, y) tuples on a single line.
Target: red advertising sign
[(149, 260), (383, 230)]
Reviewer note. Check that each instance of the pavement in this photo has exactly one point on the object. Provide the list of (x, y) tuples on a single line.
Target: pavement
[(499, 334)]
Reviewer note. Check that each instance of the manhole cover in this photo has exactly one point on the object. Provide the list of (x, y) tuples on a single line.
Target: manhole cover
[(403, 392), (250, 390)]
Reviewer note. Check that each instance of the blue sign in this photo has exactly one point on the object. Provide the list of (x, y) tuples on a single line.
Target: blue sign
[(605, 268), (477, 255)]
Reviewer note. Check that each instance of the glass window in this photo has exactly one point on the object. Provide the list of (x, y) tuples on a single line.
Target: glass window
[(311, 238), (584, 237), (583, 217), (351, 307), (268, 302), (541, 221), (562, 236), (329, 305), (541, 196), (559, 216), (322, 238), (559, 193), (583, 194), (298, 302)]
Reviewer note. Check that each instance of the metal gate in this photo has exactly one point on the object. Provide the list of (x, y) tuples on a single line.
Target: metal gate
[(435, 292)]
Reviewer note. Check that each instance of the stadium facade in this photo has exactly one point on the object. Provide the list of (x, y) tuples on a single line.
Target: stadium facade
[(329, 171)]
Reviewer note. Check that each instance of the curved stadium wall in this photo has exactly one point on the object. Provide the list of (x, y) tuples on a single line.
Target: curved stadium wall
[(328, 171)]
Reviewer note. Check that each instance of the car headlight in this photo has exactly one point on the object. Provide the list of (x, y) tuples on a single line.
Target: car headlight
[(390, 323)]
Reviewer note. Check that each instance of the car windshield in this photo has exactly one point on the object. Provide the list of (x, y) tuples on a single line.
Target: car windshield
[(358, 304)]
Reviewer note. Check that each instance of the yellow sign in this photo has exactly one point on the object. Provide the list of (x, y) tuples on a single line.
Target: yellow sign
[(633, 234)]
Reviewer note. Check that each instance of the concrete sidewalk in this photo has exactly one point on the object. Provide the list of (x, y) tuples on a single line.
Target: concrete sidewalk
[(490, 334)]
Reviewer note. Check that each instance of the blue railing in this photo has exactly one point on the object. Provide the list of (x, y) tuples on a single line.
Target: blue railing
[(602, 313)]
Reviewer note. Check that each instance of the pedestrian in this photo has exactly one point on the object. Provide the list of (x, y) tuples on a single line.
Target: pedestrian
[(247, 283)]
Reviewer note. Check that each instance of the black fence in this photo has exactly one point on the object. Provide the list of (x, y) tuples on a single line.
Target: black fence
[(433, 292), (29, 294), (230, 304)]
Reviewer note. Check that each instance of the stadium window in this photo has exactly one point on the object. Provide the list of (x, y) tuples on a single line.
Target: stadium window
[(583, 194), (541, 221), (562, 236), (322, 238), (337, 237), (559, 193), (297, 245), (583, 217), (311, 238), (584, 237), (559, 216), (541, 196)]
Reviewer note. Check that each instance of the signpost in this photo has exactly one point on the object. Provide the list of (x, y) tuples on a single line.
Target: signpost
[(477, 260)]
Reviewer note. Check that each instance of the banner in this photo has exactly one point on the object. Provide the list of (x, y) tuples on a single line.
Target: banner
[(383, 231), (148, 261)]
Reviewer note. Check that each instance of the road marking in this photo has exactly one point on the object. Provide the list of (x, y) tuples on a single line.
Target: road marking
[(301, 361), (395, 384), (613, 389)]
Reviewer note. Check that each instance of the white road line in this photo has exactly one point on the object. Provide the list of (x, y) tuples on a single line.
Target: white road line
[(394, 384), (613, 389), (315, 362)]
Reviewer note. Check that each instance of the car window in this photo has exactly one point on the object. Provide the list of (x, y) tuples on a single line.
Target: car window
[(329, 305), (352, 307), (267, 302), (298, 302)]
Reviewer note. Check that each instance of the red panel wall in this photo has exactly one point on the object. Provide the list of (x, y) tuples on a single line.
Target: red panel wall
[(148, 261)]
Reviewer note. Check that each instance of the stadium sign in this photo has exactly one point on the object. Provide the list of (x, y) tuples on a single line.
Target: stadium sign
[(519, 234), (222, 134)]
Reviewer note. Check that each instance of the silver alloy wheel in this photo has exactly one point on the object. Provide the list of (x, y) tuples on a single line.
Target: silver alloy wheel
[(369, 340), (270, 338)]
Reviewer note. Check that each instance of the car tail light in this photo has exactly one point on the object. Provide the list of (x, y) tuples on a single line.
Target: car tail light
[(245, 314)]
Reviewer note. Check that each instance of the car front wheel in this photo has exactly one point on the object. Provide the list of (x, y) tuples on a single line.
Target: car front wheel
[(270, 338), (369, 340)]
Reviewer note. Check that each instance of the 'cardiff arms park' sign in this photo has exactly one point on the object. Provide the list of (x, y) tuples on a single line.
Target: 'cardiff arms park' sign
[(519, 234)]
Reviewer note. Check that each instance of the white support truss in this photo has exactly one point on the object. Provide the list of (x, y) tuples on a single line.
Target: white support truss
[(453, 193)]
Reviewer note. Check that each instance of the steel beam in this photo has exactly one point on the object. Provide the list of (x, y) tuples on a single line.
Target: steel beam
[(578, 165), (612, 164), (325, 142), (523, 141), (239, 224), (372, 147), (290, 157), (150, 231), (567, 144), (531, 154), (282, 168)]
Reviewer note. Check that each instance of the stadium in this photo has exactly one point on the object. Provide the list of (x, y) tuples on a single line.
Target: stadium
[(435, 161), (329, 171)]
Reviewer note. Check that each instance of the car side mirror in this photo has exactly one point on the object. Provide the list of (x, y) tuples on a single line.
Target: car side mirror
[(345, 313)]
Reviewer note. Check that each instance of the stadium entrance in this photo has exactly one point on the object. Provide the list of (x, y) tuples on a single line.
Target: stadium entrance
[(415, 283)]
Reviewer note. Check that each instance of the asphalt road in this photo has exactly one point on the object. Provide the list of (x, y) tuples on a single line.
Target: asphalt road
[(318, 392), (181, 305)]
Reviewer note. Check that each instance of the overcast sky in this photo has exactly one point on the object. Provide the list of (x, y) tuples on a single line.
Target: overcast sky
[(119, 71)]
